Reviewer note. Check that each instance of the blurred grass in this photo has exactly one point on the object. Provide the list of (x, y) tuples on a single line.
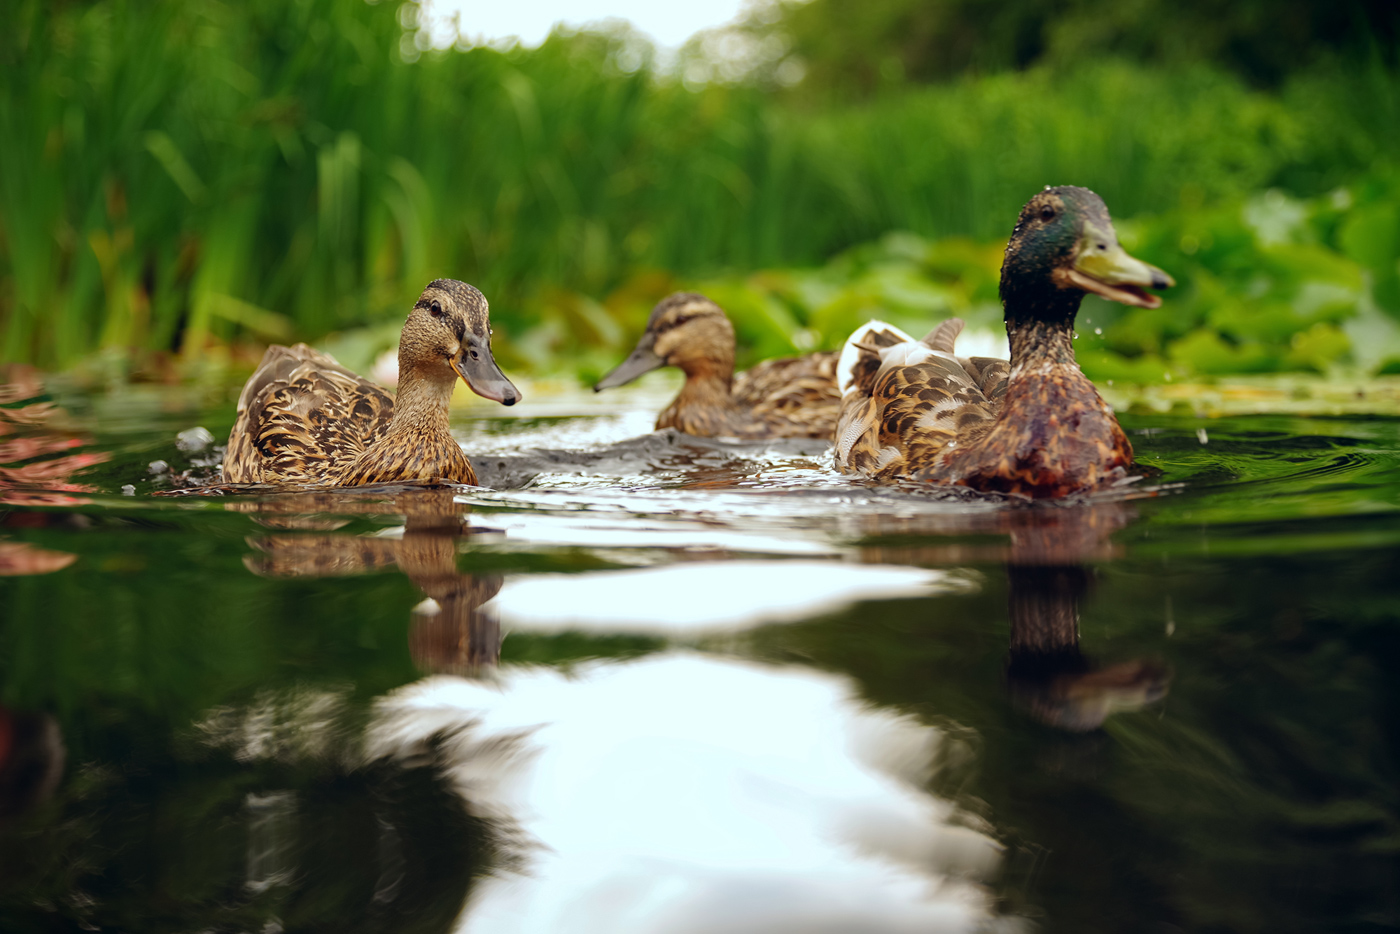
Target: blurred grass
[(196, 179)]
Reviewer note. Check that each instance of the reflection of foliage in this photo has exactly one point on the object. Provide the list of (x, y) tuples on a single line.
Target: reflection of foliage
[(196, 176), (197, 842), (28, 474), (1275, 755), (160, 827)]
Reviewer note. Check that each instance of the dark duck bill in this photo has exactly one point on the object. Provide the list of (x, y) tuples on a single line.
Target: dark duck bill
[(792, 397), (643, 359), (478, 369), (359, 433), (684, 330)]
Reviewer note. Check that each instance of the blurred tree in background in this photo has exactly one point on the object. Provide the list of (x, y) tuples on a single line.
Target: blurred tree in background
[(849, 49), (193, 179)]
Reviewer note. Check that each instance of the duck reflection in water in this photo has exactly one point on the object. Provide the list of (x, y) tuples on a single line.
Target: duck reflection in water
[(31, 762), (452, 631), (1047, 673)]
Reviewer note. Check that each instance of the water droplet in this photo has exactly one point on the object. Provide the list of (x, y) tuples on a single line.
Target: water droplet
[(194, 439), (1098, 331), (1201, 436)]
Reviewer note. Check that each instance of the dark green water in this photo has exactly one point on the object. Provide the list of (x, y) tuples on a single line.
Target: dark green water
[(654, 685)]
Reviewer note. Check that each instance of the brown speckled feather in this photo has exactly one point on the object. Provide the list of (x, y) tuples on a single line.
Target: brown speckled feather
[(931, 415), (922, 400), (1035, 427), (408, 456), (927, 407), (1055, 436), (303, 417), (795, 397), (857, 435)]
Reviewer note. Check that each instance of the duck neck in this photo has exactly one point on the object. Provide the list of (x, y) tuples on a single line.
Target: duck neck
[(1044, 607), (1042, 338), (422, 402), (708, 381)]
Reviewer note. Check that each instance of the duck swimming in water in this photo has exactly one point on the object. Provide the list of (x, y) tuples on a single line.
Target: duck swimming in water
[(1036, 426), (795, 397), (305, 419)]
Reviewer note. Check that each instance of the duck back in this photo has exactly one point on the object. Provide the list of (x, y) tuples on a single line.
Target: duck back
[(303, 418), (794, 397), (1054, 436), (906, 402)]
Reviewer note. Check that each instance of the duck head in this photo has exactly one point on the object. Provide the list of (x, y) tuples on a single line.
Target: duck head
[(448, 334), (1064, 245), (685, 330)]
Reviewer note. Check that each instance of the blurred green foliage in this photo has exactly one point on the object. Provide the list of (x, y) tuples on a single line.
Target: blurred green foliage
[(845, 49), (1267, 284), (196, 179)]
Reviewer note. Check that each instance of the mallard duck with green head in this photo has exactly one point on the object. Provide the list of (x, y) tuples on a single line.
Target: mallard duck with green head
[(1034, 426), (304, 419), (794, 397)]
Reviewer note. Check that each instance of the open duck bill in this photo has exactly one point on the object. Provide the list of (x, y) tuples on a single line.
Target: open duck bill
[(1103, 267), (484, 377), (641, 360)]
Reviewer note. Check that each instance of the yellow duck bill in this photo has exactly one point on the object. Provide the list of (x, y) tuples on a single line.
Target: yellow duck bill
[(1103, 267)]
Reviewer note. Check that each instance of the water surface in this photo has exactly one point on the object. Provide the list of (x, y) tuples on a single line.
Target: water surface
[(642, 682)]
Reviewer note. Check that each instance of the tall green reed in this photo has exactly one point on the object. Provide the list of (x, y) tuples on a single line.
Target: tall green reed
[(180, 175)]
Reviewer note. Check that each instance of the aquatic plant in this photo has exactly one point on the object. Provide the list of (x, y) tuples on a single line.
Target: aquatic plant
[(199, 179)]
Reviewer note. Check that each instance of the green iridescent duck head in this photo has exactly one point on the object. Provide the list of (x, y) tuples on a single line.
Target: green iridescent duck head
[(1064, 245)]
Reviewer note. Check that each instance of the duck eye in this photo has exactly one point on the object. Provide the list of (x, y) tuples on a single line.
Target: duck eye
[(1047, 212), (435, 309)]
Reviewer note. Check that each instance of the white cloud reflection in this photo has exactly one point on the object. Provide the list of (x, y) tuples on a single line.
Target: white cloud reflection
[(682, 794), (621, 530), (707, 597)]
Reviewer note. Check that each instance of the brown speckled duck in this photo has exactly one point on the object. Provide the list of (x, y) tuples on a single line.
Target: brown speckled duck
[(1036, 426), (305, 419), (795, 397)]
